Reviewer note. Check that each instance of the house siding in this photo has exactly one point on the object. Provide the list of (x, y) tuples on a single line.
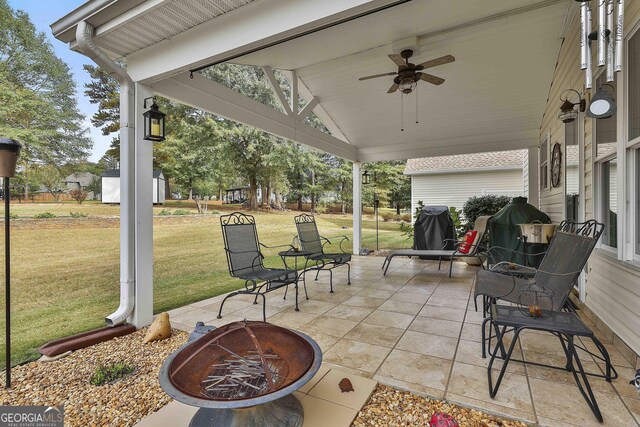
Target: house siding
[(454, 189), (612, 290)]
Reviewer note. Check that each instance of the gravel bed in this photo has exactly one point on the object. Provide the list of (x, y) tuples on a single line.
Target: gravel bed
[(66, 381), (389, 407)]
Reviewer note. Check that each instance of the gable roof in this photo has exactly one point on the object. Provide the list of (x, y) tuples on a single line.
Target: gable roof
[(497, 160), (82, 178)]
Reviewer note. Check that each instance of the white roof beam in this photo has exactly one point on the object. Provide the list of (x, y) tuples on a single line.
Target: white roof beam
[(452, 146), (215, 98), (247, 28), (304, 113), (277, 89)]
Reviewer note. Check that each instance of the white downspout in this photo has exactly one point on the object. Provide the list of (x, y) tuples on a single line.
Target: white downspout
[(84, 38)]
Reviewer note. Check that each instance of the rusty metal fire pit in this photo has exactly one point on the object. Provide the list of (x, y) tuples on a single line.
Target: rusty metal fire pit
[(243, 374)]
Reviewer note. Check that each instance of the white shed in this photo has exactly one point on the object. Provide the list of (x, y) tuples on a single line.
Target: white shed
[(111, 186), (452, 180)]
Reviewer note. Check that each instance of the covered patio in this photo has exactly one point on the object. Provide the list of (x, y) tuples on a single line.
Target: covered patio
[(413, 329)]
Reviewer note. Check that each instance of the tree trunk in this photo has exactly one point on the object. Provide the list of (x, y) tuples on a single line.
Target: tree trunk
[(253, 194), (299, 201), (26, 181), (267, 194)]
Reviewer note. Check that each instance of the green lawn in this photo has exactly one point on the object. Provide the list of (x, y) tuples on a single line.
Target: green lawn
[(65, 276)]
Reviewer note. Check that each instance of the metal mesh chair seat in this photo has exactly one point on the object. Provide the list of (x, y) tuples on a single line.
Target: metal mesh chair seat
[(502, 286), (475, 250), (312, 241), (245, 260)]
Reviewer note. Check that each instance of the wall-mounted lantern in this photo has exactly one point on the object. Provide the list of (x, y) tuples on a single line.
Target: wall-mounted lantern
[(153, 122), (568, 112), (366, 178)]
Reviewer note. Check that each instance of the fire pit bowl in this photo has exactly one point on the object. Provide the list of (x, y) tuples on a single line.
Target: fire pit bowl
[(243, 374)]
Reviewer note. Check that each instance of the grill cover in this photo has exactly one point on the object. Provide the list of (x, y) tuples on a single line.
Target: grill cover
[(504, 230), (433, 226)]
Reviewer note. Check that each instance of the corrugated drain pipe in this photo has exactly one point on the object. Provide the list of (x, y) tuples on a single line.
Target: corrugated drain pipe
[(84, 38)]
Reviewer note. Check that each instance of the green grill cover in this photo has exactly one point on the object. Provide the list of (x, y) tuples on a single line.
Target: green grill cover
[(504, 230)]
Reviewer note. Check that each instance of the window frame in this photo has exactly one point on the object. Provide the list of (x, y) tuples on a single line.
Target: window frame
[(632, 163), (545, 164)]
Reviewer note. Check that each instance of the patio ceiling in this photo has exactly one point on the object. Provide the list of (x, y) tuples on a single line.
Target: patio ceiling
[(493, 98)]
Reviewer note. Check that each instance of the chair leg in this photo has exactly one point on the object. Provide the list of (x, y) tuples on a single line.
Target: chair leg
[(296, 285), (494, 390), (330, 280), (450, 266), (304, 283), (607, 360), (384, 262), (348, 274), (223, 301), (255, 300), (484, 337), (387, 268), (285, 292), (439, 262), (583, 386), (264, 308)]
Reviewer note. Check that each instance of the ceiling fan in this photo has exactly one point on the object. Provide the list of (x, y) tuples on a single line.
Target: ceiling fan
[(409, 74)]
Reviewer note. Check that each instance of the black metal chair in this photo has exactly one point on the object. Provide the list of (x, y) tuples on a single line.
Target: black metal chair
[(311, 241), (245, 260)]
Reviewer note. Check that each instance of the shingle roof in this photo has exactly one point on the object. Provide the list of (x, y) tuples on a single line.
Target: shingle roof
[(491, 160)]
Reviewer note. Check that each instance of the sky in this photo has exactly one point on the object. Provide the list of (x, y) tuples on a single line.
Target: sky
[(43, 13)]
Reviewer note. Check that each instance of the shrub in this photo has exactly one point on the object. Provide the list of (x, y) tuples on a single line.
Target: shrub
[(44, 215), (215, 212), (112, 373), (389, 216), (405, 217), (181, 212), (164, 212), (78, 214), (78, 195), (483, 205), (457, 221), (13, 216)]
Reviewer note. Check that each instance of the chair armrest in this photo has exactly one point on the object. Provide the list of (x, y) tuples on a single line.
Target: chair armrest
[(502, 249), (276, 246), (456, 243), (342, 240)]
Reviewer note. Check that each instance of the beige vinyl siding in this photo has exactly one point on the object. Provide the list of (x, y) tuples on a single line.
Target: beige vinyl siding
[(454, 189), (612, 286)]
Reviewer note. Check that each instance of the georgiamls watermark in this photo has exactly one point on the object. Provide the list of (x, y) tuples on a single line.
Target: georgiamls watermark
[(32, 416)]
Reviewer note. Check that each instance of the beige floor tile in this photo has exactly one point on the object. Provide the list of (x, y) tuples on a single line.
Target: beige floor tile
[(401, 307), (389, 318), (316, 306), (231, 305), (375, 293), (430, 325), (328, 389), (254, 312), (548, 422), (471, 352), (324, 341), (442, 312), (290, 318), (622, 385), (191, 317), (410, 367), (324, 369), (634, 406), (322, 413), (541, 343), (428, 344), (349, 312), (442, 301), (419, 288), (359, 301), (182, 327), (614, 354), (329, 326), (409, 297), (375, 334), (444, 292), (471, 381), (335, 298), (472, 332), (174, 414), (356, 355), (352, 371), (181, 310), (229, 318), (565, 403), (475, 317)]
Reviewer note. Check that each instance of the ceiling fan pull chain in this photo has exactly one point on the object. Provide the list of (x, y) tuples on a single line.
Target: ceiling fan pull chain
[(416, 105), (401, 112)]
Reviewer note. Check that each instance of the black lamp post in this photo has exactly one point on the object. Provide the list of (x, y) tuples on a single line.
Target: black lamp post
[(153, 122), (9, 152)]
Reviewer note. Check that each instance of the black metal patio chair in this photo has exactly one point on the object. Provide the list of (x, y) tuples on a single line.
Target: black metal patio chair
[(245, 260), (312, 241)]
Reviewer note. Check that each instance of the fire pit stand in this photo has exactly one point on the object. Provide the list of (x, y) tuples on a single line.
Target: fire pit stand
[(243, 374)]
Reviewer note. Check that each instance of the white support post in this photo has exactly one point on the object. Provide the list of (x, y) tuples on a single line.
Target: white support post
[(277, 89), (534, 189), (143, 193), (294, 92), (357, 208)]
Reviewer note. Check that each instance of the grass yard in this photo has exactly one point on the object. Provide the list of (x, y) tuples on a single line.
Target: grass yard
[(65, 272)]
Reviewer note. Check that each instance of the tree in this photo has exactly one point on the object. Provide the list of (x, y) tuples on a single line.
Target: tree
[(79, 195), (51, 180), (95, 187), (104, 90), (37, 96)]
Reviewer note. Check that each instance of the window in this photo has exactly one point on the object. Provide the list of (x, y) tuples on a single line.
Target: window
[(606, 136), (633, 94), (609, 202), (637, 166), (544, 177)]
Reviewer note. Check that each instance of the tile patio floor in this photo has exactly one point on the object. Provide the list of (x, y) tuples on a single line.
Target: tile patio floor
[(416, 329)]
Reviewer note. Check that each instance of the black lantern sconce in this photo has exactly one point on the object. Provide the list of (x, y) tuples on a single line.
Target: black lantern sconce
[(366, 178), (568, 112), (602, 105), (153, 122)]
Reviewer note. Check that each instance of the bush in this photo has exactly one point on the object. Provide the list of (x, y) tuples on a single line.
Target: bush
[(457, 221), (405, 217), (215, 212), (13, 216), (109, 374), (44, 215), (78, 214), (483, 205), (78, 195), (181, 212), (389, 216), (164, 212)]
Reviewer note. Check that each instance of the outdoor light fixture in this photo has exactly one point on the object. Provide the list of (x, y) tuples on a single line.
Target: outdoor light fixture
[(366, 180), (9, 152), (153, 122), (602, 105), (567, 111)]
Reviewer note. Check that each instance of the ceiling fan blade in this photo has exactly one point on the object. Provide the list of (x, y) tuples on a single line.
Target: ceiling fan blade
[(399, 60), (393, 88), (431, 79), (435, 62), (375, 76)]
